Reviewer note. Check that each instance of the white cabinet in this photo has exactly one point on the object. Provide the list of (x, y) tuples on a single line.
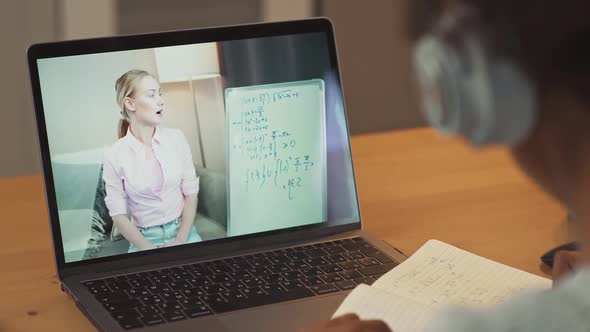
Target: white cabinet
[(181, 63)]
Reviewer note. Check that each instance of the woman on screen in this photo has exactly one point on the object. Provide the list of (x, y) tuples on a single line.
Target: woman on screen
[(149, 171)]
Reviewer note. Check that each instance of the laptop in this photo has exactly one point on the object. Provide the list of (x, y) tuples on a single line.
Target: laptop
[(202, 179)]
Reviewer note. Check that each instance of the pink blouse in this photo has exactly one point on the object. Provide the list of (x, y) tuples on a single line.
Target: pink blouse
[(152, 191)]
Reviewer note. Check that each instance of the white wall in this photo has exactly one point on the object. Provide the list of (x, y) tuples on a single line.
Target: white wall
[(79, 97), (81, 111), (181, 63), (180, 113)]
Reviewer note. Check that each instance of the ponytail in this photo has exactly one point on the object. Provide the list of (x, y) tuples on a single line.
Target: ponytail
[(123, 126)]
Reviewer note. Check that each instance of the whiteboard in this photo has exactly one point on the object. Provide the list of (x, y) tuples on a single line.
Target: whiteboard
[(276, 154)]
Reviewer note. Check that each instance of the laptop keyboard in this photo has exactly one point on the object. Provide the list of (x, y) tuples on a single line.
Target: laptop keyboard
[(196, 290)]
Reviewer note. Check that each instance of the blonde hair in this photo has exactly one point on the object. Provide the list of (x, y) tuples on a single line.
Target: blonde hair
[(124, 86)]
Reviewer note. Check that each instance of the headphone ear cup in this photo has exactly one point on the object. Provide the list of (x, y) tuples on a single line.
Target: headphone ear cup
[(465, 92), (437, 74), (514, 105)]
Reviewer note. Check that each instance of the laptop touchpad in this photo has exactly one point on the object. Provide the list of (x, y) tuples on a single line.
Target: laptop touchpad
[(284, 317)]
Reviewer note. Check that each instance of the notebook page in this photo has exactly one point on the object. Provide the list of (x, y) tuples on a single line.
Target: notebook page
[(399, 313), (439, 274)]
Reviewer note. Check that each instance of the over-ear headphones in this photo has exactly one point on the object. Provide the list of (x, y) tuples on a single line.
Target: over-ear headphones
[(469, 91)]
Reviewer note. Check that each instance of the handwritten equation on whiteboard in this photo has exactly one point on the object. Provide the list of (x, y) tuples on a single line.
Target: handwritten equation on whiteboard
[(273, 154)]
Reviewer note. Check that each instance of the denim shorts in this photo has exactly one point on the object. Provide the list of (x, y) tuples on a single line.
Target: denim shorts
[(166, 233)]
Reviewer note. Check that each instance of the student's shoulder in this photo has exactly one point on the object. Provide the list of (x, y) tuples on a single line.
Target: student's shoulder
[(550, 310)]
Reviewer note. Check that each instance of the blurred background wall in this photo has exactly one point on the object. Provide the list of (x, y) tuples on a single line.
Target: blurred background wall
[(373, 53)]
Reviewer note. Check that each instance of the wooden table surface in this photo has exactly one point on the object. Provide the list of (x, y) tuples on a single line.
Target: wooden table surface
[(413, 186)]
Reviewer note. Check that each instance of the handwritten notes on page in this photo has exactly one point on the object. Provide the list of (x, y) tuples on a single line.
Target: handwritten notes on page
[(276, 156), (436, 276), (439, 273), (400, 313)]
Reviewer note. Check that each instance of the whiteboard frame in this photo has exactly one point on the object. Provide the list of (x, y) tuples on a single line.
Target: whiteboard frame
[(323, 145)]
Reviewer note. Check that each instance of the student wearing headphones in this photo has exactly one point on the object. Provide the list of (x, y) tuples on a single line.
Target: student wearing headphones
[(514, 73)]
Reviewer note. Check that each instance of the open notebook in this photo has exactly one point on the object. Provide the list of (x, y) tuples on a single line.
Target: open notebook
[(436, 276)]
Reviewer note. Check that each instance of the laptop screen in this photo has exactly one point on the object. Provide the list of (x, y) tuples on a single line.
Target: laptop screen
[(176, 145)]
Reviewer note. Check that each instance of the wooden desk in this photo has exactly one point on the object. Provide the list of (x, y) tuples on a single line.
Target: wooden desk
[(413, 186)]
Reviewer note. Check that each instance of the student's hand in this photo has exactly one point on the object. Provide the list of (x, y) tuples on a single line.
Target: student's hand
[(349, 323), (565, 263)]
